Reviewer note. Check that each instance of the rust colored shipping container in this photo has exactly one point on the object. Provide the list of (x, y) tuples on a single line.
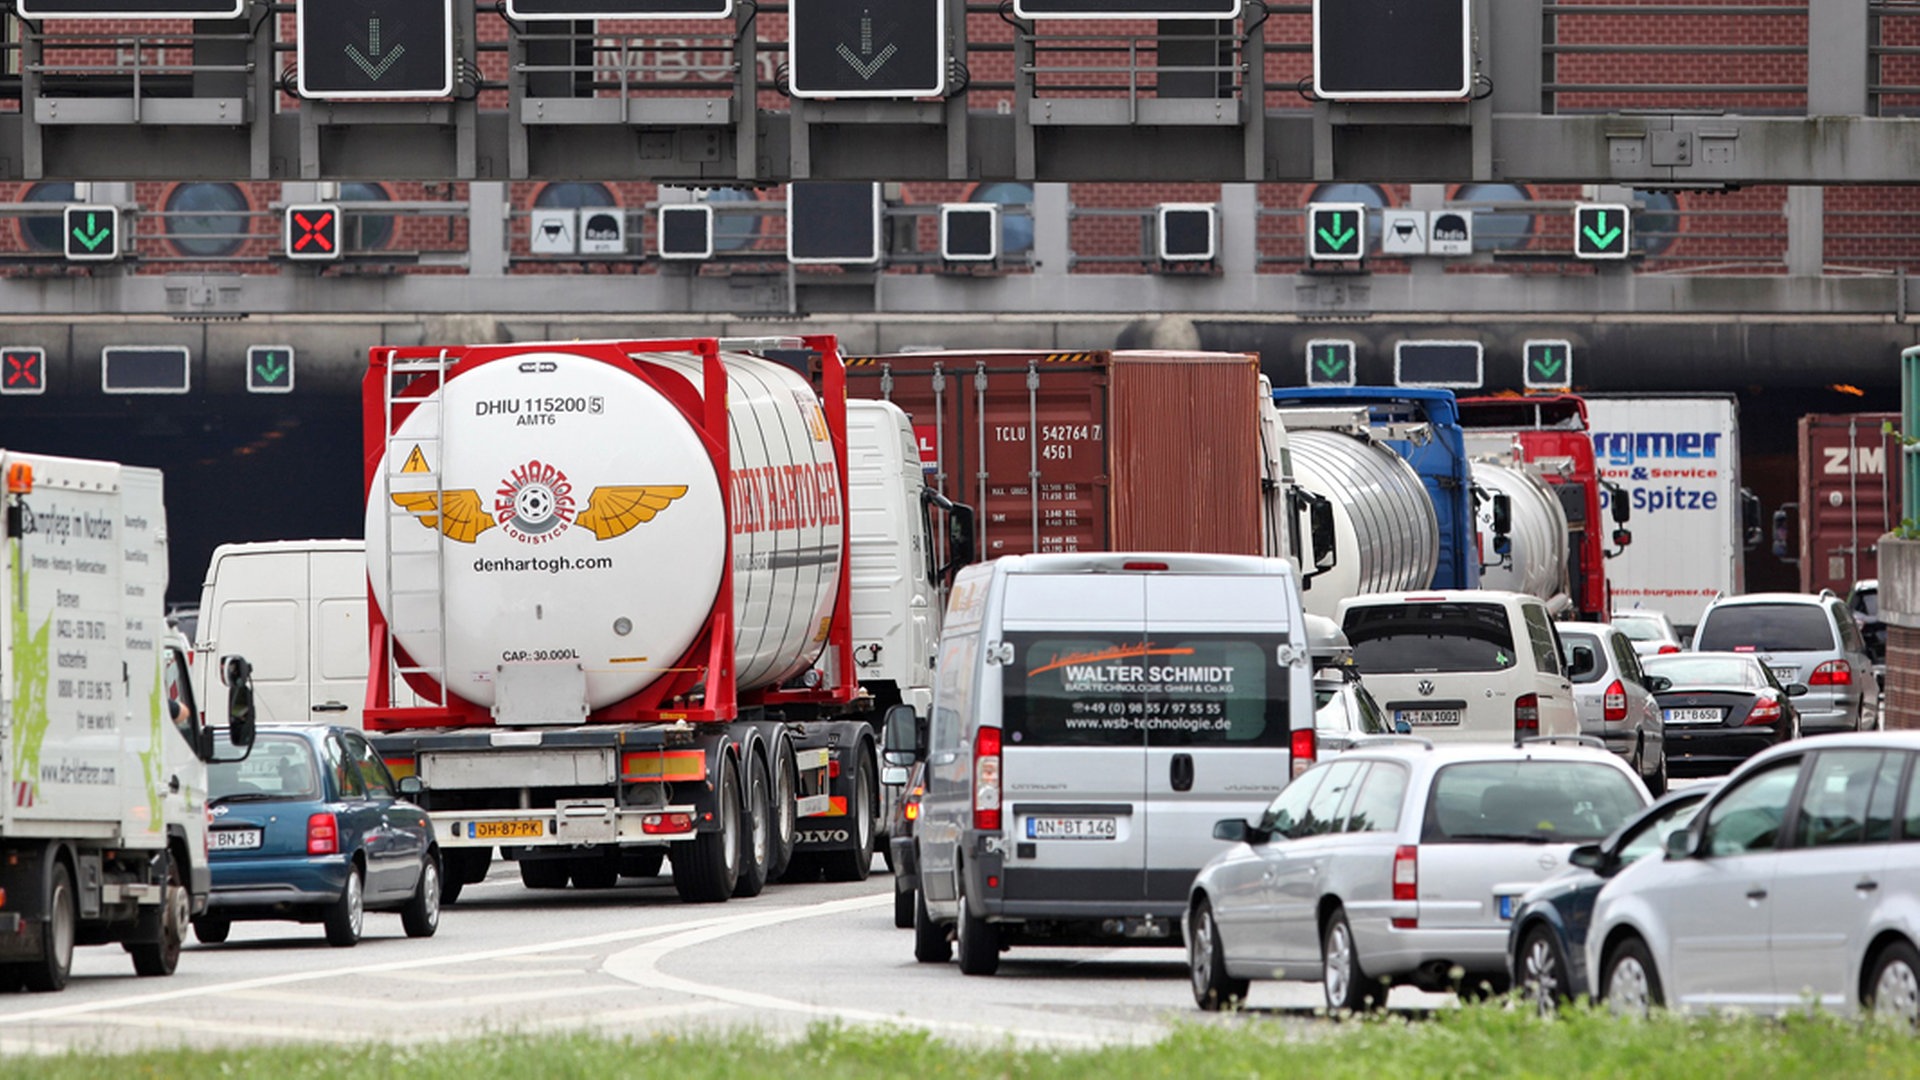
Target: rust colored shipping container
[(1087, 451), (1849, 496)]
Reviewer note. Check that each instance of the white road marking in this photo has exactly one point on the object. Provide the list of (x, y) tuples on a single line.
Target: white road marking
[(348, 1002), (640, 966), (130, 1001)]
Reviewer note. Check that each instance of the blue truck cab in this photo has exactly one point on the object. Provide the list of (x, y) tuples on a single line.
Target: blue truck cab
[(1440, 458)]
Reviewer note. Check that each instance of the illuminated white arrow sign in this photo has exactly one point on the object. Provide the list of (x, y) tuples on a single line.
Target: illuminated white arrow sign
[(871, 66), (374, 69)]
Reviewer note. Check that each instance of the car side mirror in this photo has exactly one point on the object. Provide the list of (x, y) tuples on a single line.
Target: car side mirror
[(1680, 844), (237, 673), (1589, 856), (1622, 538), (1580, 663), (411, 787), (1233, 831), (903, 741), (1658, 683), (1796, 689)]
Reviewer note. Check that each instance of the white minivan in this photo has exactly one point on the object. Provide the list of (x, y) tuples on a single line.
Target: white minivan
[(1094, 715), (298, 610), (1475, 665)]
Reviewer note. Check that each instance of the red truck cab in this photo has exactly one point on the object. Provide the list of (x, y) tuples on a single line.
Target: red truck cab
[(1553, 436)]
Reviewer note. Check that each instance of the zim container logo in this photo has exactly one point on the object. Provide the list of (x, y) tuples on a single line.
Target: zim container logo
[(534, 503)]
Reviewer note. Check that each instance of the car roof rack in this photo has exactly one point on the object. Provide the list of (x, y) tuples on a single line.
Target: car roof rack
[(1375, 740), (1581, 740)]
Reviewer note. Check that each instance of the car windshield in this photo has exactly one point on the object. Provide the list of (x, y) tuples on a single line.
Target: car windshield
[(1425, 638), (279, 767), (1596, 666), (1766, 628), (1734, 671), (1528, 801), (1639, 629)]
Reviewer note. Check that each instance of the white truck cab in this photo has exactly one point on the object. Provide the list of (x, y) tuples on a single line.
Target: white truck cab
[(1094, 714)]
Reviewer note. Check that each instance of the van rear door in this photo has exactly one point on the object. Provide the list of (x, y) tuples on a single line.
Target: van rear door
[(1217, 717), (1072, 743), (258, 610), (337, 631)]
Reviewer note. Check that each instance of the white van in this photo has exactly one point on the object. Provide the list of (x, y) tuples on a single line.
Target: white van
[(298, 610), (1094, 715), (1476, 665)]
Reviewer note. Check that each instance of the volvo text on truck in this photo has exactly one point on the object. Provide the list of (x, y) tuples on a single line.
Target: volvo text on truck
[(103, 821), (617, 575)]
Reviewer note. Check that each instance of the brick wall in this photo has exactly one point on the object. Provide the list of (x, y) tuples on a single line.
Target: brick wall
[(1903, 678)]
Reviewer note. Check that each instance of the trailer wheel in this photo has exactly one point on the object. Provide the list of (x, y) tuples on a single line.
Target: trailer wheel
[(48, 971), (161, 957), (786, 819), (598, 871), (856, 864), (461, 867), (544, 873), (706, 867), (756, 839)]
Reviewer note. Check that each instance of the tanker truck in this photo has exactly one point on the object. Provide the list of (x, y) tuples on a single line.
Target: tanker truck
[(1522, 524), (1422, 426), (616, 579), (1385, 533)]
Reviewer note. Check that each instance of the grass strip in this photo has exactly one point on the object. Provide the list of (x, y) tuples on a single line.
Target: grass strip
[(1482, 1041)]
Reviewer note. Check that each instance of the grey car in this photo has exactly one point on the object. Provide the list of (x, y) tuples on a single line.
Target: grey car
[(1806, 639), (1614, 698), (1396, 863)]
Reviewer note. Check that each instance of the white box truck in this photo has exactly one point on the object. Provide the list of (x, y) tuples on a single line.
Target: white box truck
[(103, 818), (1678, 459)]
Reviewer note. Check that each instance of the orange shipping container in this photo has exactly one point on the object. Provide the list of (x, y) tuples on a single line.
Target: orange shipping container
[(1087, 451)]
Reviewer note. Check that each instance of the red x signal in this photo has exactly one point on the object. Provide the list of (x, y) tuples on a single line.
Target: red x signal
[(22, 371), (316, 231)]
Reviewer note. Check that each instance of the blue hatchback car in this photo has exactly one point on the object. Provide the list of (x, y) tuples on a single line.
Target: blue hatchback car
[(1546, 947), (311, 827)]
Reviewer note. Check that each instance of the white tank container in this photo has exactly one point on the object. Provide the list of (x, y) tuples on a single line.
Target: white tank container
[(1538, 564), (1386, 536), (586, 522)]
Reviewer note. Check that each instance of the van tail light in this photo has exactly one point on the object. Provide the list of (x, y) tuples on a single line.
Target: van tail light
[(1832, 673), (1615, 702), (1306, 748), (323, 835), (1406, 882), (1765, 711), (986, 779), (1669, 650), (1526, 716)]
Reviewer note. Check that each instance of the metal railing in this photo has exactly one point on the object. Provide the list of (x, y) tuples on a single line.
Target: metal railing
[(1595, 58)]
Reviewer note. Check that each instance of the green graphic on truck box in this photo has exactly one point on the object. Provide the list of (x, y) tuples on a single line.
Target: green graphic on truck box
[(151, 763), (30, 714)]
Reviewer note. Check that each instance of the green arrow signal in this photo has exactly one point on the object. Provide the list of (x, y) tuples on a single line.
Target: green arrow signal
[(270, 369), (94, 235), (1546, 366), (1331, 363), (1598, 234), (1338, 238)]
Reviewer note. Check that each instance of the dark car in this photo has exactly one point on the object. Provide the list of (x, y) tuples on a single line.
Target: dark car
[(1546, 948), (1864, 602), (311, 827), (906, 875), (1720, 708)]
